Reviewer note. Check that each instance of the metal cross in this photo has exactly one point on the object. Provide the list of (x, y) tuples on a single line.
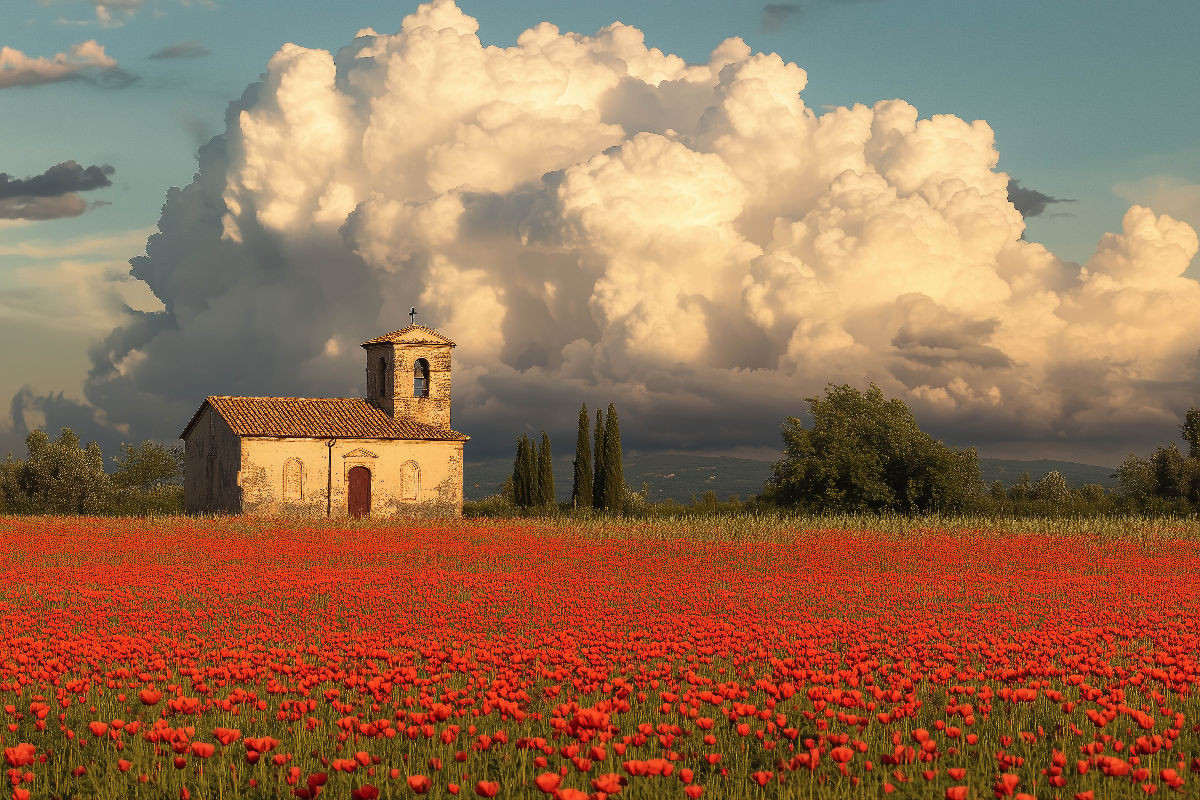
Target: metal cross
[(412, 316)]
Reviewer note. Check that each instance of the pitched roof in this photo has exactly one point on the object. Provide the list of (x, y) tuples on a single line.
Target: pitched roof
[(317, 418), (413, 334)]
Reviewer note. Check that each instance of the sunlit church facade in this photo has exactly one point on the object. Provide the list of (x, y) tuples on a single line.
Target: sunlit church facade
[(391, 453)]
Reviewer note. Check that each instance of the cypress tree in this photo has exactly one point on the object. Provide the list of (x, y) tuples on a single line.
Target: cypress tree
[(545, 473), (581, 491), (614, 478), (532, 497), (598, 469), (520, 478)]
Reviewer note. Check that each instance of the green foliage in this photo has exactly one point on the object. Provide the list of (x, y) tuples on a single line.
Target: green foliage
[(1135, 477), (1191, 431), (1022, 490), (545, 472), (865, 454), (522, 477), (1052, 488), (60, 477), (147, 466), (516, 478), (614, 476), (532, 490), (581, 489), (1170, 472), (598, 468)]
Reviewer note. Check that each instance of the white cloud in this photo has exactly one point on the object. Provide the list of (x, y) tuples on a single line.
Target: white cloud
[(592, 219), (1167, 194), (18, 69)]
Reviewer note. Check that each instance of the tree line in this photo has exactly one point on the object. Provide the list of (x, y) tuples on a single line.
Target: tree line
[(867, 454), (863, 453), (598, 480), (58, 476)]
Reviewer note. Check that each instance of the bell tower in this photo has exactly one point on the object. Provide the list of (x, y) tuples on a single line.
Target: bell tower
[(408, 374)]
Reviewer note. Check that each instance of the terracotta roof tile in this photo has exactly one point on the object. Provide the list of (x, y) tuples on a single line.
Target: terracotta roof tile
[(424, 335), (318, 418)]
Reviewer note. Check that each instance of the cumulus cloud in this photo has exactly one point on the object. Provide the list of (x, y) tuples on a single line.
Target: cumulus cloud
[(592, 219), (192, 48), (1030, 202), (86, 61), (53, 194), (1167, 193)]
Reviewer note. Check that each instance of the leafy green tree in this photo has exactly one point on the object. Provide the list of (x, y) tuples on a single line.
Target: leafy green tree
[(598, 468), (1052, 489), (614, 476), (147, 466), (12, 498), (1191, 431), (545, 472), (60, 477), (581, 489), (1136, 479), (1022, 490), (867, 454), (1170, 472)]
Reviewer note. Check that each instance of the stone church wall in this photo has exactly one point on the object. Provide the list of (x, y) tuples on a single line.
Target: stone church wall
[(291, 476), (211, 456)]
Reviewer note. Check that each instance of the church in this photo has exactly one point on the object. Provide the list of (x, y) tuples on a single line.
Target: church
[(392, 453)]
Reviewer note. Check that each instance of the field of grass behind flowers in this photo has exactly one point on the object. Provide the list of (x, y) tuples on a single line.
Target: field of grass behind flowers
[(193, 658)]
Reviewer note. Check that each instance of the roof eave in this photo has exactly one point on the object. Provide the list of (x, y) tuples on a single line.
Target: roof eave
[(195, 418)]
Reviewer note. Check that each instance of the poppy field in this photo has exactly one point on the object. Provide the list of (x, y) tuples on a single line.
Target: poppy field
[(200, 658)]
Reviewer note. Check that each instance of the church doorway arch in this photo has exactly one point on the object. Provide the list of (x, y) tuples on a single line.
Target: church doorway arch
[(359, 494)]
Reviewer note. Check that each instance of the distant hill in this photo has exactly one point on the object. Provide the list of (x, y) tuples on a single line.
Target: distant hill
[(669, 476), (680, 477), (1009, 471)]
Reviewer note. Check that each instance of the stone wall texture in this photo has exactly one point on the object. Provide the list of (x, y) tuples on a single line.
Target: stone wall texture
[(212, 457)]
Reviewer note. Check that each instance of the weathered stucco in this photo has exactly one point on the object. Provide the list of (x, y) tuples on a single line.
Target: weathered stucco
[(437, 490), (212, 456)]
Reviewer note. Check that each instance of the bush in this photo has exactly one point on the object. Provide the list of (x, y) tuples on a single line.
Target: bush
[(60, 477)]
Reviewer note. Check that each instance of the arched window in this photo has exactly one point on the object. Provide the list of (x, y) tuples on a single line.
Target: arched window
[(382, 376), (410, 481), (293, 480), (421, 378)]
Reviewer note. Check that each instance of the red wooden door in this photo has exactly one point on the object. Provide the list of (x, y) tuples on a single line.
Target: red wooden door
[(359, 496)]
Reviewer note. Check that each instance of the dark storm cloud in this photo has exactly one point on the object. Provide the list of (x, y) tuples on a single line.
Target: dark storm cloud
[(59, 411), (59, 179), (776, 15), (192, 48), (1030, 202), (53, 194)]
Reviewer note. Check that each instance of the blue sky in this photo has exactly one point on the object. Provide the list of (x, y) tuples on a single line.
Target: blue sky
[(1093, 103)]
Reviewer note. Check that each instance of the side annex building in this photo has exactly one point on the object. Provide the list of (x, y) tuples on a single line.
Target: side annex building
[(392, 453)]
